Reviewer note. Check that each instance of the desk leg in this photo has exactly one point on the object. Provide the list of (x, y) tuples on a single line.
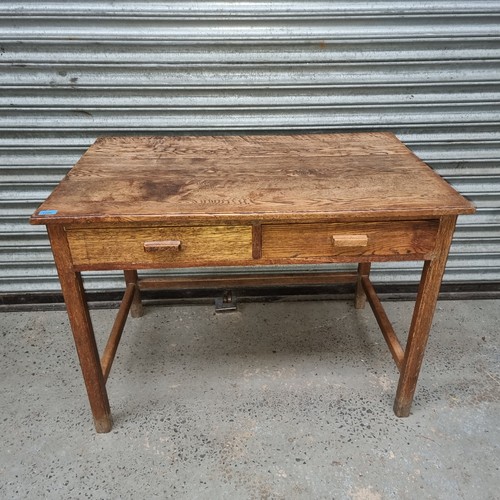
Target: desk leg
[(360, 299), (423, 313), (136, 310), (83, 332)]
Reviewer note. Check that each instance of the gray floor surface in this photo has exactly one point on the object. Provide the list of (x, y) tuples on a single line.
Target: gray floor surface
[(287, 400)]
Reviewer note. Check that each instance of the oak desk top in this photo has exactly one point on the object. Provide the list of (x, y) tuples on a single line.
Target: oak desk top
[(309, 177)]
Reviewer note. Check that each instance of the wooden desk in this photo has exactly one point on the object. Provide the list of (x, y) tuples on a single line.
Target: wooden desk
[(168, 202)]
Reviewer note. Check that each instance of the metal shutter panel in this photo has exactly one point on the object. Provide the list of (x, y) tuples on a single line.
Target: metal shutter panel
[(70, 71)]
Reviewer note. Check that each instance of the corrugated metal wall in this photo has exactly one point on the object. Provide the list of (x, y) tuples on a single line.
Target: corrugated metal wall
[(70, 71)]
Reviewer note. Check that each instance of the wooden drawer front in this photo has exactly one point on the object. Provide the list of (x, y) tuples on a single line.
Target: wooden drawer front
[(160, 246), (302, 241)]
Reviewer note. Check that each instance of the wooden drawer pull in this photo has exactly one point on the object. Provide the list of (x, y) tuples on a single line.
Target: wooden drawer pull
[(350, 240), (161, 246)]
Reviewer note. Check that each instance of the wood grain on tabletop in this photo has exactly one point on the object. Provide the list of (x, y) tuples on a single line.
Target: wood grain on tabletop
[(271, 177)]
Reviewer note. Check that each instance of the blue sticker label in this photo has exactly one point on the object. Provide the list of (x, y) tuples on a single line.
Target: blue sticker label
[(47, 212)]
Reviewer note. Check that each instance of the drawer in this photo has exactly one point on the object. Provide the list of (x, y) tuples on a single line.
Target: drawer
[(156, 247), (383, 239)]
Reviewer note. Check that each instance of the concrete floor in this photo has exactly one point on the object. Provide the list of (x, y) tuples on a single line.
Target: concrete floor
[(287, 400)]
